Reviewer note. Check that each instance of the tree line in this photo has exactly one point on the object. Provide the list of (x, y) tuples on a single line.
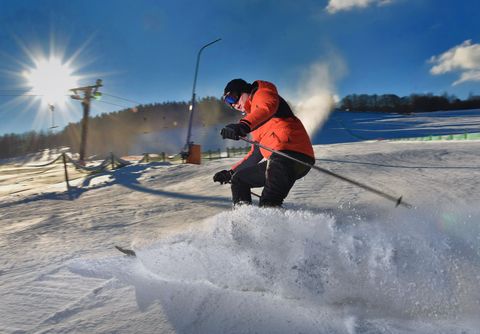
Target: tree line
[(116, 131), (407, 104)]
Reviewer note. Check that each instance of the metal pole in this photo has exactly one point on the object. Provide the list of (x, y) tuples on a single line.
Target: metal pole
[(86, 113), (52, 108), (192, 104), (89, 92), (398, 200)]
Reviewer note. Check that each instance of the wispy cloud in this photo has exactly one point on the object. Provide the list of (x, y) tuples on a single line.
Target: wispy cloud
[(335, 6), (463, 58)]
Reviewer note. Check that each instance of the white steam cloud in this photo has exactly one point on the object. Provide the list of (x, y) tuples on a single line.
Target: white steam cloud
[(463, 58), (316, 96), (335, 6)]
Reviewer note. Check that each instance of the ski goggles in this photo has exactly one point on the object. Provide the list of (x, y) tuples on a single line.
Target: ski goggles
[(230, 98)]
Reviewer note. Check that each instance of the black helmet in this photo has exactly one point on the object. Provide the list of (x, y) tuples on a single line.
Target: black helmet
[(237, 87)]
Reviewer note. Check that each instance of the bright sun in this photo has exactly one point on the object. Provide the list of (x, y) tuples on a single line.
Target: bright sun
[(51, 79)]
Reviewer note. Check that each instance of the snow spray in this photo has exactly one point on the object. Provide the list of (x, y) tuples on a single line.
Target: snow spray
[(282, 271)]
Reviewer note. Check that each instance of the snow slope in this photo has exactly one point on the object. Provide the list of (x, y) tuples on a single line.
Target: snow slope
[(336, 260), (345, 127)]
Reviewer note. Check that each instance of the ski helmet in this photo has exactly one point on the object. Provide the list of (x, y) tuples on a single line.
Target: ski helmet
[(234, 89)]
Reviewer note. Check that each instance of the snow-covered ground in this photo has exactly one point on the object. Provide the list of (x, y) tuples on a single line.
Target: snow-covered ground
[(337, 259), (345, 127)]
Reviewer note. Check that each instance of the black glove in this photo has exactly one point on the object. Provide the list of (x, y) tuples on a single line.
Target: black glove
[(223, 176), (235, 131)]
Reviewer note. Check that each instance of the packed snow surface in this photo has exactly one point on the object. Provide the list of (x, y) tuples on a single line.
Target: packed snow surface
[(336, 259)]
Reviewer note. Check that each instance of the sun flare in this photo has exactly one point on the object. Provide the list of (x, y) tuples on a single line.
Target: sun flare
[(47, 75), (51, 79)]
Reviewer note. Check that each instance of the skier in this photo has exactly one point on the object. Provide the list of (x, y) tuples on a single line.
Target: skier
[(271, 122)]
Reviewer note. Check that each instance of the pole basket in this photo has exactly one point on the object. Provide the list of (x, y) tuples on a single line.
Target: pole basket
[(194, 154)]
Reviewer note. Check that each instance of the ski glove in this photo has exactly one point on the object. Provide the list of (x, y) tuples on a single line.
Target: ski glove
[(235, 131), (223, 176)]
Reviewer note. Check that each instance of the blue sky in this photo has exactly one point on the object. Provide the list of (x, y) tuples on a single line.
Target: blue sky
[(145, 51)]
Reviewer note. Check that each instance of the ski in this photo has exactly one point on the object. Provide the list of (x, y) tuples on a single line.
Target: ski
[(125, 251)]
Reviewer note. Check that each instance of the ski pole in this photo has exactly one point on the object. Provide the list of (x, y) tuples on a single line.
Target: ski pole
[(398, 200), (251, 192), (254, 194)]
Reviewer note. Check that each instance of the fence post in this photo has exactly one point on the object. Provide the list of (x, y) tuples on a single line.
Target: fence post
[(112, 160), (209, 154), (228, 152), (66, 173), (163, 156)]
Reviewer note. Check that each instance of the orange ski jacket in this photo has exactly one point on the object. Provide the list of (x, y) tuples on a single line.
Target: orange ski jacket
[(273, 124)]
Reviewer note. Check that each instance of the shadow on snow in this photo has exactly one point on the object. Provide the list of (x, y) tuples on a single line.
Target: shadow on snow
[(127, 177)]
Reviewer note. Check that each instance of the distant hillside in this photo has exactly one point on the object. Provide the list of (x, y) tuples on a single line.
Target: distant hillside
[(162, 126), (117, 131)]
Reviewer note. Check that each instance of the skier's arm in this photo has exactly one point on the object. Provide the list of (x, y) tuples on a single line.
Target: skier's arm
[(264, 106), (251, 159)]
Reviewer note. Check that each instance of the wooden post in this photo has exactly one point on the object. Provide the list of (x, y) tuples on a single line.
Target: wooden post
[(112, 160), (66, 172), (163, 156)]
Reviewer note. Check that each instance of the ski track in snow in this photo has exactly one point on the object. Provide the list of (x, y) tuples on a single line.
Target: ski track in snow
[(337, 260)]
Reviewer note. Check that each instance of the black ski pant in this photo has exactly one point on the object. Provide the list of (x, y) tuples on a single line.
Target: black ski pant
[(277, 175)]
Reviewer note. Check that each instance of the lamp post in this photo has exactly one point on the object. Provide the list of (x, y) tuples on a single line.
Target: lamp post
[(188, 143)]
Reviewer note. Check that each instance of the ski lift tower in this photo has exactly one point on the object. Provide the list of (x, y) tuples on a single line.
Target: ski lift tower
[(88, 93), (52, 108)]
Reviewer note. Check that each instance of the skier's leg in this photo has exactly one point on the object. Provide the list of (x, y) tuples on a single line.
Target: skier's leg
[(244, 180), (281, 175)]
